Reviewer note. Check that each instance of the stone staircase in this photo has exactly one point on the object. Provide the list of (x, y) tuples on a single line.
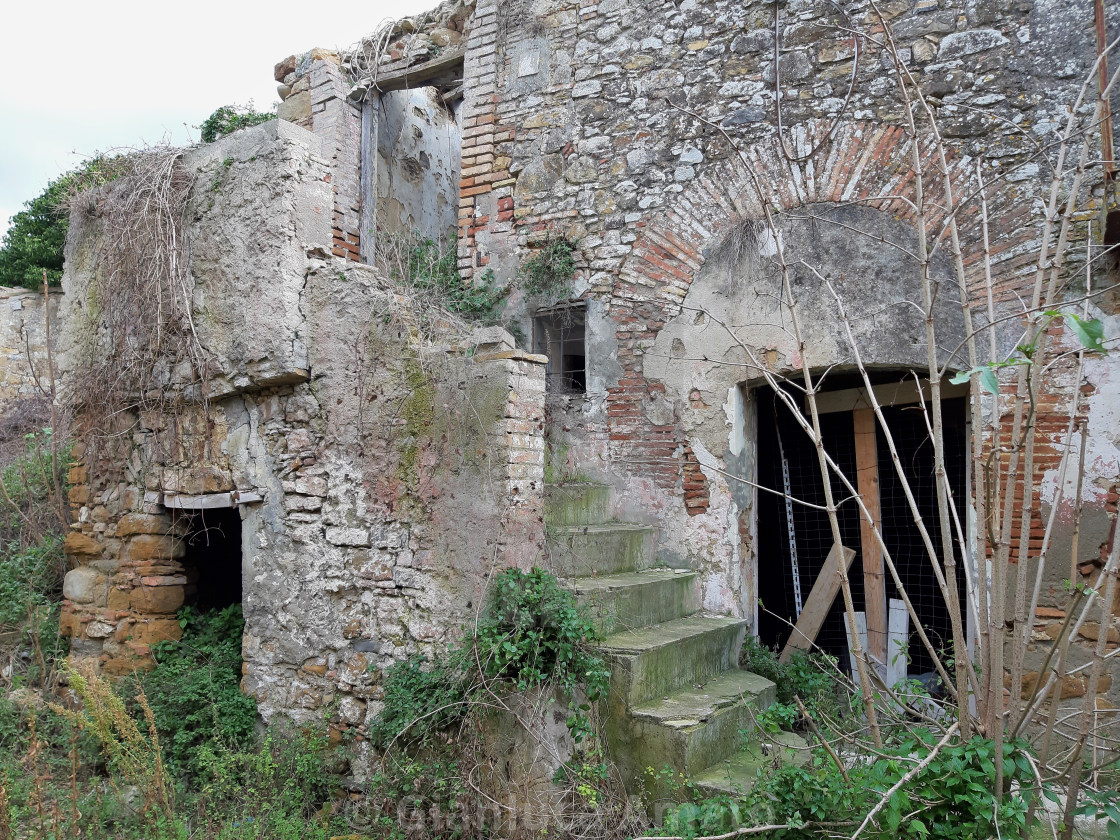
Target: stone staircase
[(677, 697)]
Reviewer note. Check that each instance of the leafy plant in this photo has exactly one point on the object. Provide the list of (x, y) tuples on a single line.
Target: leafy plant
[(532, 632), (195, 691), (808, 676), (230, 118), (950, 797), (37, 235), (550, 269), (423, 697)]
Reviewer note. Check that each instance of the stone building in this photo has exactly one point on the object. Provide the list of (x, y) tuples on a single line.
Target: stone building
[(367, 480)]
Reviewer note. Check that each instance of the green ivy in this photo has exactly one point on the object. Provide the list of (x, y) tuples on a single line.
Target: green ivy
[(231, 118)]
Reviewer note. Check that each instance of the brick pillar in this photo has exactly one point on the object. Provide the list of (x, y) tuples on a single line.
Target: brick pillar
[(338, 122), (481, 184)]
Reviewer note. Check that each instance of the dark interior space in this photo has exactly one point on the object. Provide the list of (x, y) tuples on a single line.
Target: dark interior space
[(559, 333), (778, 435), (213, 558)]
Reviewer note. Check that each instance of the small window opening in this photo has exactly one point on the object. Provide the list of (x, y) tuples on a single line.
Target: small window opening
[(560, 334), (213, 557)]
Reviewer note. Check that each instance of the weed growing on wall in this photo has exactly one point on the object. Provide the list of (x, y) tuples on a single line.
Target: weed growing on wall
[(230, 118), (550, 269), (432, 268)]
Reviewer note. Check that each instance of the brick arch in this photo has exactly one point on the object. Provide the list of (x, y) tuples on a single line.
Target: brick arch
[(864, 162)]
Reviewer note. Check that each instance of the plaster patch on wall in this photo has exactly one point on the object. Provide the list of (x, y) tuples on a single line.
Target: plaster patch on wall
[(736, 411)]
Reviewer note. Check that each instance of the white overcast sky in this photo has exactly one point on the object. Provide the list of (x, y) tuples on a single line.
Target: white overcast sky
[(90, 76)]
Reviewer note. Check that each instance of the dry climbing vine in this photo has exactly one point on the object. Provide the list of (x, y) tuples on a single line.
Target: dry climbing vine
[(136, 348)]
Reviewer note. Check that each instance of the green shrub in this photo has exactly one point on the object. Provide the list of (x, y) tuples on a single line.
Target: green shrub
[(37, 235), (951, 798), (230, 118), (550, 269), (533, 631), (808, 676), (195, 691), (422, 697)]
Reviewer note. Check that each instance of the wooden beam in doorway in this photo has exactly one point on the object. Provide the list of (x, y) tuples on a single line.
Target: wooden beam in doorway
[(874, 582), (819, 601)]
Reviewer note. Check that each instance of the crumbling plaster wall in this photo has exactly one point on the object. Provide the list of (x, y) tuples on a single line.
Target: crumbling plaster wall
[(358, 449), (568, 130), (418, 154)]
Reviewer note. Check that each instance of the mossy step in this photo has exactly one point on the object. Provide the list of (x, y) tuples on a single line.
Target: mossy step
[(579, 550), (653, 662), (630, 600), (576, 504), (691, 729), (738, 773)]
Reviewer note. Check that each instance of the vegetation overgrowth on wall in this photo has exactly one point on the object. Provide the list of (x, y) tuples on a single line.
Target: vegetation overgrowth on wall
[(230, 118)]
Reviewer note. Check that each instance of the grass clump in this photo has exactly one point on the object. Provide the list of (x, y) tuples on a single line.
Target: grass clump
[(432, 267)]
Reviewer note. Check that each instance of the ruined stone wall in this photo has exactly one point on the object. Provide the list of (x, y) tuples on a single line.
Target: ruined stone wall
[(642, 132), (313, 91), (379, 475), (23, 345)]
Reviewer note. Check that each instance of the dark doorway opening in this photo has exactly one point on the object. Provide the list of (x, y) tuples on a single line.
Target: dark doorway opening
[(213, 557), (780, 437)]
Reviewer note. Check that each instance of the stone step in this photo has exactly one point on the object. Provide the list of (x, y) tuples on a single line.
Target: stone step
[(737, 773), (579, 550), (630, 600), (692, 729), (576, 504), (653, 662)]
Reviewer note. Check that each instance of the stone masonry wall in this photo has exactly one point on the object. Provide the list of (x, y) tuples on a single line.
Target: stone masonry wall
[(353, 448), (640, 132), (23, 344)]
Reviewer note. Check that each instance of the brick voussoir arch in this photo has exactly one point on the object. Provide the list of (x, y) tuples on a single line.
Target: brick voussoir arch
[(865, 163)]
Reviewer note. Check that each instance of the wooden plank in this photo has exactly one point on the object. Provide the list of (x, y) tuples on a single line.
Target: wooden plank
[(210, 501), (819, 601), (420, 74), (874, 582), (892, 394), (897, 634)]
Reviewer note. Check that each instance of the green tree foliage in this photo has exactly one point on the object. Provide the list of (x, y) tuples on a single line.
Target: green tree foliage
[(37, 235), (231, 118)]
